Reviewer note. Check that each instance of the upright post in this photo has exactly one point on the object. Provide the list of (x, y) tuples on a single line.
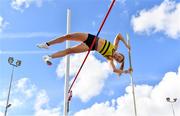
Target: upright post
[(132, 82), (66, 84)]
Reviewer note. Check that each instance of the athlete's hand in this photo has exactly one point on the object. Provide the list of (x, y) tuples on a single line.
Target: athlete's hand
[(130, 70), (126, 71)]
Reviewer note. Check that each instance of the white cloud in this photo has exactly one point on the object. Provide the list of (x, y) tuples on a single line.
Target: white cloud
[(151, 101), (25, 87), (163, 18), (25, 92), (48, 112), (102, 109), (41, 99), (1, 114), (3, 23), (22, 4), (21, 91), (91, 78), (42, 108), (2, 103)]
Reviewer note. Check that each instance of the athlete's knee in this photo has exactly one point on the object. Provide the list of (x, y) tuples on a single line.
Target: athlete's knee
[(67, 36)]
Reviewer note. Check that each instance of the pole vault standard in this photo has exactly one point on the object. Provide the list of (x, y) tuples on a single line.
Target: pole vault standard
[(132, 82), (102, 24), (66, 84)]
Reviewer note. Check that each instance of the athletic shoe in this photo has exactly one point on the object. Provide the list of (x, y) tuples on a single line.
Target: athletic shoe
[(47, 60), (43, 45)]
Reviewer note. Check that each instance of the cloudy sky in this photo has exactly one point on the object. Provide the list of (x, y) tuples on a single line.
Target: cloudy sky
[(37, 90)]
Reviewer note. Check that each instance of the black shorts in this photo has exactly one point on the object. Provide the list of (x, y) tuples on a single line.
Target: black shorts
[(89, 41)]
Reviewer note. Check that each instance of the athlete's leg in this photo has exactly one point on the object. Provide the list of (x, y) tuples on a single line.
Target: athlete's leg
[(72, 37), (77, 49)]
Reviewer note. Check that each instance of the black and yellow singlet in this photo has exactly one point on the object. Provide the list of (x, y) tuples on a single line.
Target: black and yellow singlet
[(107, 49)]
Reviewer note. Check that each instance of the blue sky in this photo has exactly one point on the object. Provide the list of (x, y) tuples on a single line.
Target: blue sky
[(154, 32)]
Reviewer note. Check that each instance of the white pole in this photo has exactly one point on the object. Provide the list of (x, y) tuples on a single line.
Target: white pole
[(132, 82), (66, 84)]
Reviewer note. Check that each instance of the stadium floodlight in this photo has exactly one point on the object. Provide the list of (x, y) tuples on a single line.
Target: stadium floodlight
[(10, 60), (18, 63), (172, 101)]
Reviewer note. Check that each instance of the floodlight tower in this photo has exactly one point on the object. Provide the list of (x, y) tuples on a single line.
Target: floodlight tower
[(172, 101), (16, 64)]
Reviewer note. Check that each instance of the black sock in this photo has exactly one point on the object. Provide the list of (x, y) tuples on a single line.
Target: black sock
[(47, 43)]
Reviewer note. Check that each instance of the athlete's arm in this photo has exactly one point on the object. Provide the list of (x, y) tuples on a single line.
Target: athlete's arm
[(117, 39), (115, 70), (118, 71)]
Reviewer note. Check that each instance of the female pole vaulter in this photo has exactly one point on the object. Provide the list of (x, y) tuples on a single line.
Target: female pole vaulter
[(104, 47)]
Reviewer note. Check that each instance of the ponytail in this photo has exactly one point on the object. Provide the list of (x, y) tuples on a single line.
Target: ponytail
[(122, 62)]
